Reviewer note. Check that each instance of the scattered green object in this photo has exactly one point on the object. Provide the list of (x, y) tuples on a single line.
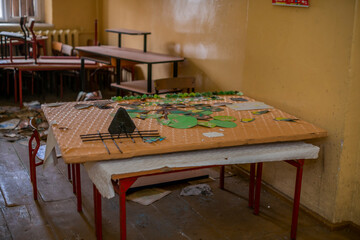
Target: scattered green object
[(260, 112), (181, 121), (225, 124), (136, 111), (179, 112), (153, 139), (225, 118), (246, 120), (239, 93), (206, 112), (207, 124), (285, 119), (165, 122), (133, 114), (154, 115)]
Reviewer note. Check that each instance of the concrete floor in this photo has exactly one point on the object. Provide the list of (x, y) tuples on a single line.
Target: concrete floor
[(224, 215)]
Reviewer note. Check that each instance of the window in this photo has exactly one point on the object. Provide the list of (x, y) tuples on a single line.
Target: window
[(12, 10)]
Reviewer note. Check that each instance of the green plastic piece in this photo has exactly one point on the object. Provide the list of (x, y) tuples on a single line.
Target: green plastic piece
[(225, 124), (207, 124), (133, 114), (225, 118), (246, 120), (182, 122)]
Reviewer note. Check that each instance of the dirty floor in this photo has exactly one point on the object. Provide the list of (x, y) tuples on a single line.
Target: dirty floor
[(224, 215)]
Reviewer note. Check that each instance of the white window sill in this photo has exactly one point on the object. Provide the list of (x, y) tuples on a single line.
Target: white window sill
[(16, 26)]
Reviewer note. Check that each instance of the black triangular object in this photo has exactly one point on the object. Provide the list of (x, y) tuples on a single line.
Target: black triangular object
[(122, 123)]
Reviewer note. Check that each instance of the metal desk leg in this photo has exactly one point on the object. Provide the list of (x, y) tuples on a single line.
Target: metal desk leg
[(149, 78), (118, 74), (20, 89), (121, 187), (119, 40), (97, 213), (222, 177), (78, 187), (295, 214), (252, 185), (175, 69), (258, 188), (82, 75), (15, 86), (145, 43)]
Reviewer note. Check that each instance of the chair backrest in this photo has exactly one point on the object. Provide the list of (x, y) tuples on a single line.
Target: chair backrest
[(56, 48), (175, 84), (35, 136), (23, 27), (67, 50)]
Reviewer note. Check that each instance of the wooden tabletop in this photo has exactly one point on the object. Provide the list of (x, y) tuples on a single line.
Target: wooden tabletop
[(126, 54), (127, 31), (71, 123)]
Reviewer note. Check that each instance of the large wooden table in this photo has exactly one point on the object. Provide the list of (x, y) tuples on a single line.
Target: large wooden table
[(106, 53), (71, 123)]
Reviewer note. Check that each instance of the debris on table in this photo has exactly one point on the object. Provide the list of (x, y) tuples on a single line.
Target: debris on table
[(195, 190)]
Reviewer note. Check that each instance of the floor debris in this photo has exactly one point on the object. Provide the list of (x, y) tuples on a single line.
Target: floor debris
[(147, 196), (195, 190)]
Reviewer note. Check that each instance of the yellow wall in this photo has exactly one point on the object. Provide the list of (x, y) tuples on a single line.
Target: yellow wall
[(297, 59), (70, 14), (302, 60)]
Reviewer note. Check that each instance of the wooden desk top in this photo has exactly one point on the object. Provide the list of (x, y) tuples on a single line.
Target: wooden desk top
[(46, 64), (127, 31), (71, 123), (126, 54)]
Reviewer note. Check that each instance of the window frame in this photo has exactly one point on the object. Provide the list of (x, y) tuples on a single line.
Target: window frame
[(7, 18)]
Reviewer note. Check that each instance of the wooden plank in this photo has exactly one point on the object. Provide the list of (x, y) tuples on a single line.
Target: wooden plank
[(26, 222), (14, 179), (188, 221), (4, 230), (48, 179), (66, 222)]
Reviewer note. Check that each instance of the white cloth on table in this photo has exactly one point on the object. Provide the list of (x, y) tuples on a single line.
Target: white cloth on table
[(100, 172)]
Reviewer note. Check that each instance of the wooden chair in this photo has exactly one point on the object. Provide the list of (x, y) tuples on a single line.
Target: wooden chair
[(36, 159), (176, 84), (56, 48)]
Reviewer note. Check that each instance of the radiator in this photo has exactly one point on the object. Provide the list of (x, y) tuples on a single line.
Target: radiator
[(70, 37)]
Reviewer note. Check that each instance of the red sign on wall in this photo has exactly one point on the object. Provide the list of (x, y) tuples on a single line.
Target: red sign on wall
[(294, 3)]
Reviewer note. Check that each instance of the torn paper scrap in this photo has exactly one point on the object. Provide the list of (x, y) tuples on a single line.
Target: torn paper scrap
[(147, 196), (195, 190), (213, 134), (249, 106)]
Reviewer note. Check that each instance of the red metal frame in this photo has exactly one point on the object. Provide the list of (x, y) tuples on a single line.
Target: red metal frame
[(33, 164), (32, 159), (122, 185)]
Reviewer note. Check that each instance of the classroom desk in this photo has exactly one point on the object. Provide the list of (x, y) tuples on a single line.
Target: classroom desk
[(42, 64), (71, 123), (121, 31), (105, 53), (5, 38)]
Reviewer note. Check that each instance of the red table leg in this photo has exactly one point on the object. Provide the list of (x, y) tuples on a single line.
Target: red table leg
[(252, 185), (20, 89), (97, 213), (258, 188), (121, 187), (222, 177), (73, 178), (78, 187), (295, 214), (15, 86)]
